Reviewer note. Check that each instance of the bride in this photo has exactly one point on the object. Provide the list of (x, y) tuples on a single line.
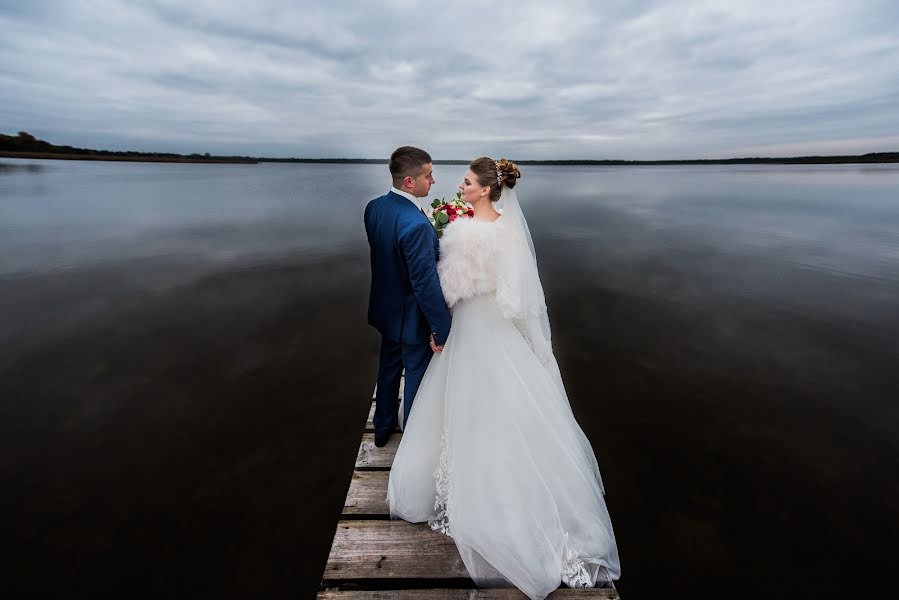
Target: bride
[(492, 454)]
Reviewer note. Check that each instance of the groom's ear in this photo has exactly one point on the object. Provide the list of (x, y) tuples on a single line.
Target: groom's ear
[(408, 181)]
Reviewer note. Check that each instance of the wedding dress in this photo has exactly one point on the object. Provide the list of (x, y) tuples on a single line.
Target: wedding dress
[(492, 454)]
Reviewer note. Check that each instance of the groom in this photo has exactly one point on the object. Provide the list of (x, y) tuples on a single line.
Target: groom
[(405, 302)]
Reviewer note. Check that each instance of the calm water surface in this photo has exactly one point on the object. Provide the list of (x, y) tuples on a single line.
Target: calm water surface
[(185, 370)]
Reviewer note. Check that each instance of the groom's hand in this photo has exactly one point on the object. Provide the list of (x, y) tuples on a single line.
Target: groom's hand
[(434, 346)]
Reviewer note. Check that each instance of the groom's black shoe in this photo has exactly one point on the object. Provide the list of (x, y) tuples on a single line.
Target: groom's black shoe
[(381, 439)]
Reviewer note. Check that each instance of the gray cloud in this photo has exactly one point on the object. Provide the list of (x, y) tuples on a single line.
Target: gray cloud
[(567, 79)]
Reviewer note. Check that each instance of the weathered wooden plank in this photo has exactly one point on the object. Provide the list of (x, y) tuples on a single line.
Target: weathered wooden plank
[(370, 422), (390, 550), (372, 457), (465, 594), (368, 494)]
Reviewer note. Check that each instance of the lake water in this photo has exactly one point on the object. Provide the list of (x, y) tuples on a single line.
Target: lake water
[(185, 370)]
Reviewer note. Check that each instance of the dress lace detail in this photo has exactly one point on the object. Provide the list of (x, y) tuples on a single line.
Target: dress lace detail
[(575, 574), (583, 573), (440, 522)]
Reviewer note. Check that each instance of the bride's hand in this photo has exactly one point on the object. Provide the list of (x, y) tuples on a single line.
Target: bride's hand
[(434, 346)]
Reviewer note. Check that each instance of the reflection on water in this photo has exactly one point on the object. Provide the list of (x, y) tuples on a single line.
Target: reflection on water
[(79, 213), (16, 166), (185, 367)]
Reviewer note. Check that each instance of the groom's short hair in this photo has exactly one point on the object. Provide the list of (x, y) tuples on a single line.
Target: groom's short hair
[(407, 161)]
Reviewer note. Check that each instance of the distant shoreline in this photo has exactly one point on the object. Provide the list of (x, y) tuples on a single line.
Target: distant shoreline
[(118, 158), (875, 158), (879, 157), (25, 145)]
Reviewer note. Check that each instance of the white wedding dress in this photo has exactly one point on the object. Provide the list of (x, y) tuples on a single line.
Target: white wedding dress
[(492, 454)]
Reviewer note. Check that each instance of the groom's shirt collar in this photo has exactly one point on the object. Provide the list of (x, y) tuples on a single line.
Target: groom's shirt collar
[(411, 198)]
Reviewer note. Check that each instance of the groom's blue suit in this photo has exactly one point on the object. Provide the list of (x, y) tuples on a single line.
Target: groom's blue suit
[(405, 302)]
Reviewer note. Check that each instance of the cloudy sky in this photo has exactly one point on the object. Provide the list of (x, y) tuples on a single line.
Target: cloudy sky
[(529, 80)]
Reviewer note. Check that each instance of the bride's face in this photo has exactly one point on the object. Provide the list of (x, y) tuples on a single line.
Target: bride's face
[(471, 188)]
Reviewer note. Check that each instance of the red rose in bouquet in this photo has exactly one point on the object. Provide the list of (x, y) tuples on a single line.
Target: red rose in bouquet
[(445, 212)]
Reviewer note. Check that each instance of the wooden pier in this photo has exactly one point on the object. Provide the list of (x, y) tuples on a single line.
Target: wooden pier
[(374, 558)]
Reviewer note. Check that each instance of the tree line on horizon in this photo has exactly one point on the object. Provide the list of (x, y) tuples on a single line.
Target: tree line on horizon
[(24, 142), (27, 143)]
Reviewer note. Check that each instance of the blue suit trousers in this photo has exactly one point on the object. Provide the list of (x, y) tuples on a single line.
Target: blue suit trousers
[(396, 356)]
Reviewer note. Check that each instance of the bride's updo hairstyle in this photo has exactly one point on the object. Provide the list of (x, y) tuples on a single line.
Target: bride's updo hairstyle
[(496, 174)]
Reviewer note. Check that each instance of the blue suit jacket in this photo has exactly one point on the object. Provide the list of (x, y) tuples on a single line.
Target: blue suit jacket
[(405, 302)]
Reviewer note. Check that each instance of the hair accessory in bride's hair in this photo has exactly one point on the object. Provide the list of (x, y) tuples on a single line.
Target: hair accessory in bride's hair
[(499, 174)]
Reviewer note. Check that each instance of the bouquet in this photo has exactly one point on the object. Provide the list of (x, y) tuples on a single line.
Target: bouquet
[(445, 212)]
